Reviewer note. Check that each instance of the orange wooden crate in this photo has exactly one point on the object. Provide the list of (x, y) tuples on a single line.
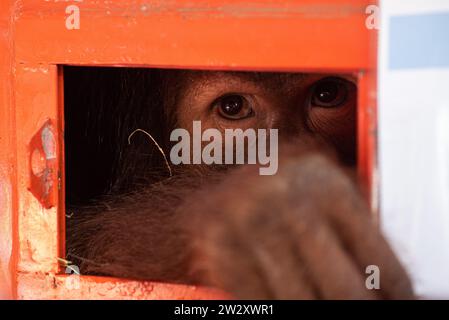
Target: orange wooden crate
[(292, 35)]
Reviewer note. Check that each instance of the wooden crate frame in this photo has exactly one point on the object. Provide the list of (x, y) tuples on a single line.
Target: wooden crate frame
[(292, 35)]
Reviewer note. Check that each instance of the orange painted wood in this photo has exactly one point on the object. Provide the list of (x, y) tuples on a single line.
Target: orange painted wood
[(281, 35), (290, 35), (8, 181), (367, 138), (41, 286)]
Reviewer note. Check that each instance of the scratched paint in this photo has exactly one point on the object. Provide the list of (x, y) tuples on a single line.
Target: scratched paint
[(5, 228), (7, 156), (44, 178), (48, 142), (239, 9), (50, 286)]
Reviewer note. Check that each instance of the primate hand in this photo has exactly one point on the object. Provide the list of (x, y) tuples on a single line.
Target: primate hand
[(304, 233)]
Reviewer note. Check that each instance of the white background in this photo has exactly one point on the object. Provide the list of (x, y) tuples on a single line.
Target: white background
[(414, 159)]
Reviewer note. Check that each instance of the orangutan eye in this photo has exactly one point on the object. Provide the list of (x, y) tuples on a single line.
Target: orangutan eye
[(330, 92), (233, 107)]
